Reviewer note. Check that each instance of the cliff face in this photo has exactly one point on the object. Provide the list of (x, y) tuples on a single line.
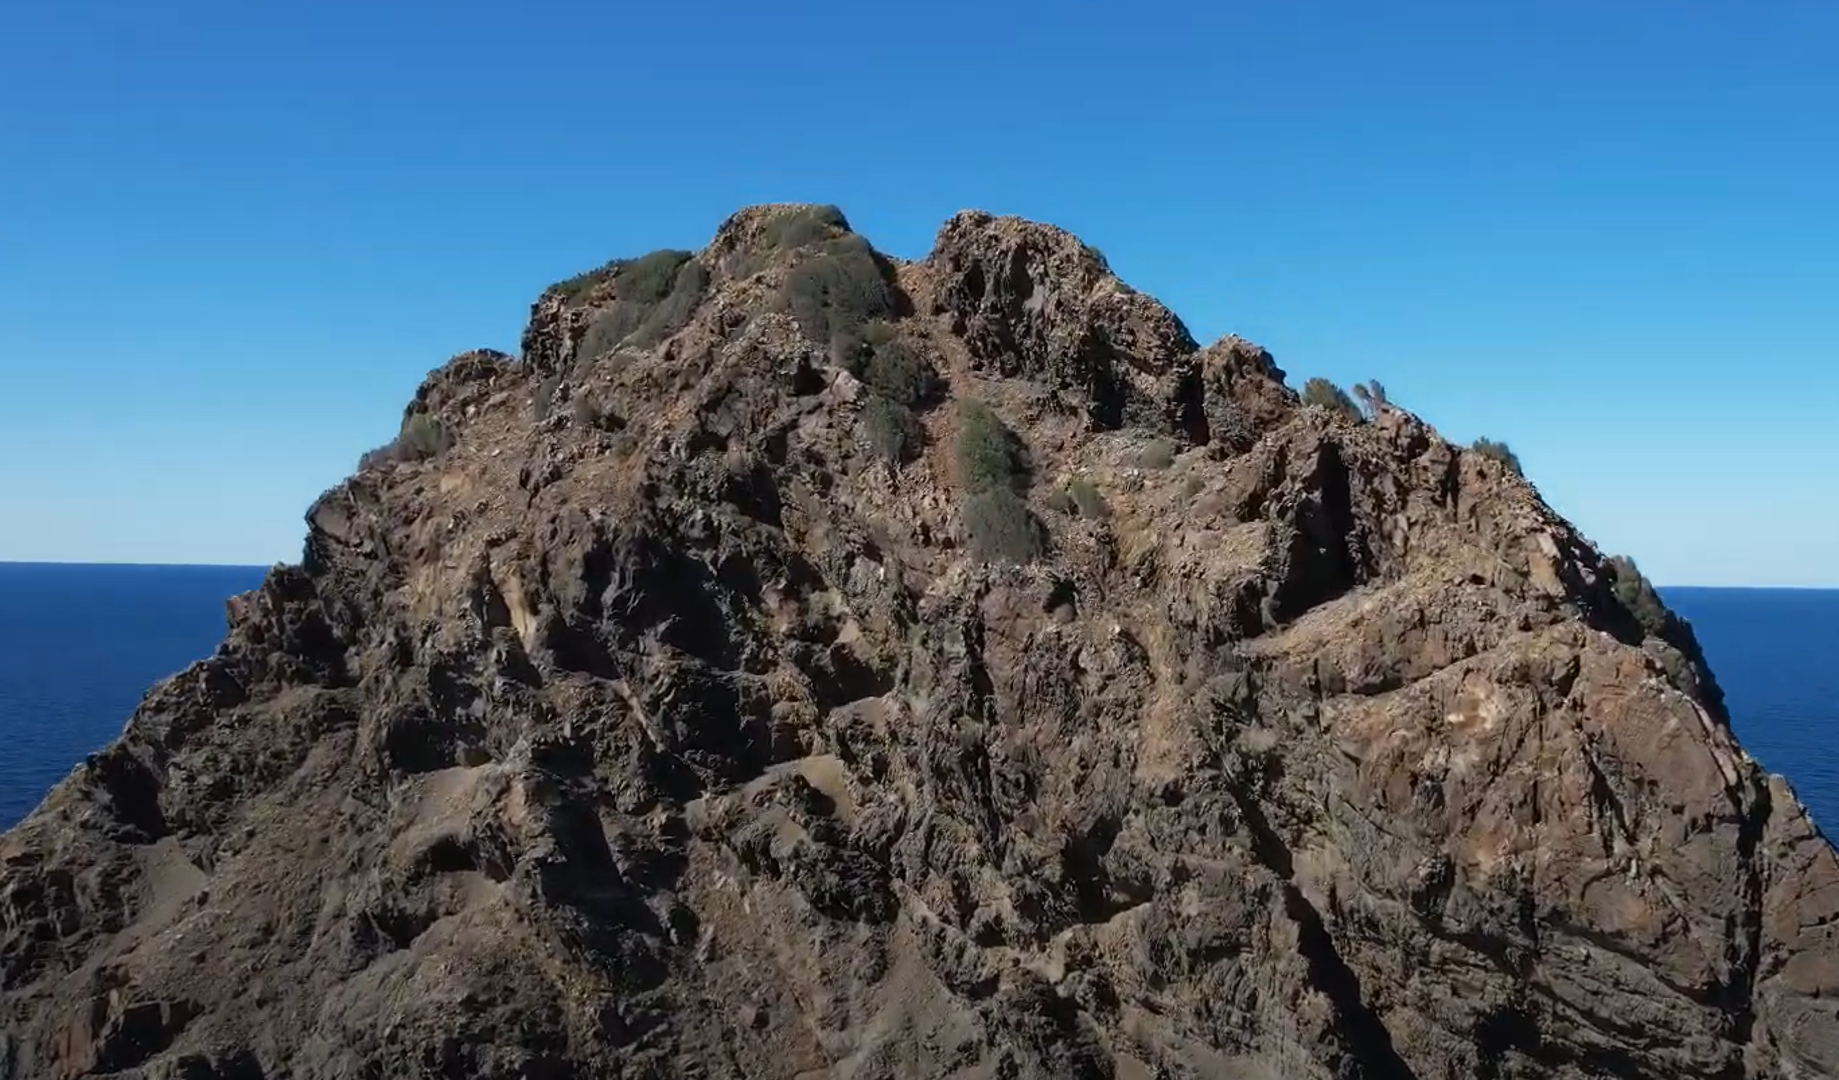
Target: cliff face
[(661, 705)]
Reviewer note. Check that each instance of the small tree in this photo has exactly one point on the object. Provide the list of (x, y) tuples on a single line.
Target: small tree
[(1500, 452), (1319, 391)]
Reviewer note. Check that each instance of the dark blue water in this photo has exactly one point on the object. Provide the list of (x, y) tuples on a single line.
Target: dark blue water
[(79, 645)]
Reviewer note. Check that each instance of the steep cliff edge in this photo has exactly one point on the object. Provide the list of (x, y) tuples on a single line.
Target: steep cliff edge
[(804, 664)]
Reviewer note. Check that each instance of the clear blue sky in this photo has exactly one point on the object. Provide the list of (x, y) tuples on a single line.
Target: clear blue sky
[(234, 236)]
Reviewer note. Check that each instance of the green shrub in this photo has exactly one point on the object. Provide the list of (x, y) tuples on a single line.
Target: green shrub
[(421, 437), (1159, 454), (900, 374), (1001, 526), (1319, 391), (849, 352), (990, 456), (581, 284), (649, 278), (1637, 594), (891, 429), (674, 308), (995, 471), (1500, 452), (803, 227), (879, 332), (1090, 502), (851, 347), (606, 332), (653, 296), (838, 289)]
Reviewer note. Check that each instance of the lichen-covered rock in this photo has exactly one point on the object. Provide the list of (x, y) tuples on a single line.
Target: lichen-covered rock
[(656, 727)]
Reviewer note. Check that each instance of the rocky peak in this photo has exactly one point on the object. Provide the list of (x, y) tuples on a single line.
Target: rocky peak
[(1033, 301), (804, 663)]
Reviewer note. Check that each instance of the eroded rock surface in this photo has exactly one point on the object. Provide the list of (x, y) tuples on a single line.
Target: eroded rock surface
[(656, 727)]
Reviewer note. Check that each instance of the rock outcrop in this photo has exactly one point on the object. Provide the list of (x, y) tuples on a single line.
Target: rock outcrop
[(649, 723)]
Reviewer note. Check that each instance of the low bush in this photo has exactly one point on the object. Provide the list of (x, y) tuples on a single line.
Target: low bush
[(653, 296), (891, 429), (897, 372), (990, 456), (420, 438), (1087, 497), (897, 380), (1159, 454), (838, 289), (851, 347), (1500, 452), (674, 308), (1638, 595), (572, 289), (803, 227), (1319, 391), (995, 471), (605, 333), (879, 332), (1001, 526), (648, 279), (848, 352)]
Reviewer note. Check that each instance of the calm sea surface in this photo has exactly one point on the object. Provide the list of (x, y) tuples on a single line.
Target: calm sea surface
[(79, 645)]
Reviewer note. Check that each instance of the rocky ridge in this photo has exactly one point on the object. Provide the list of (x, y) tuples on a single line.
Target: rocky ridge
[(654, 707)]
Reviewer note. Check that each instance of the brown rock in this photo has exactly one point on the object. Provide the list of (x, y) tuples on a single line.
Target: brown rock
[(696, 743)]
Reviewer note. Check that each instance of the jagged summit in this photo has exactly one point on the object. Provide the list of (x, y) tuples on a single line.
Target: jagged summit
[(805, 663)]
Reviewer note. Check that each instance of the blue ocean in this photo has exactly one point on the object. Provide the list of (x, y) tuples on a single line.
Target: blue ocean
[(79, 645)]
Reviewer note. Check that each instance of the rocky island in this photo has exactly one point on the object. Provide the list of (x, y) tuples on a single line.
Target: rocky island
[(801, 663)]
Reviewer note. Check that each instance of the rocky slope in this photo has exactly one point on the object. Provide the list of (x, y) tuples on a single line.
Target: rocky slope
[(717, 691)]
